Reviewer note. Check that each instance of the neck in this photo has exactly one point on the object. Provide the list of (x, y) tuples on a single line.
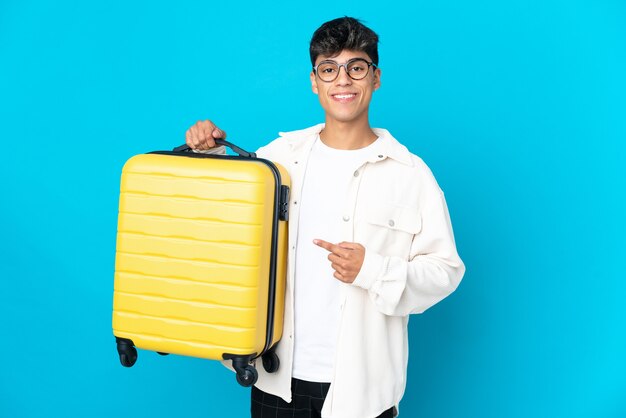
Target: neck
[(347, 136)]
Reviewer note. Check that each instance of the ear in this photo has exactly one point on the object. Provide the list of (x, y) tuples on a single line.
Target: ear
[(376, 80), (313, 82)]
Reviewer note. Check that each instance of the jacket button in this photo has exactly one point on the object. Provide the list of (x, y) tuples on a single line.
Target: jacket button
[(391, 222), (356, 173), (380, 156), (346, 218)]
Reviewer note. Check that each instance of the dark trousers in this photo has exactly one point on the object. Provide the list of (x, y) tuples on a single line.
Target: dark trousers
[(307, 399)]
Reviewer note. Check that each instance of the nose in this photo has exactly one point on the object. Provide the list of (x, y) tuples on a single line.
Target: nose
[(343, 79)]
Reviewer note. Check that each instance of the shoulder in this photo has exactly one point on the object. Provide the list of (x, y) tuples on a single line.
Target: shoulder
[(398, 152), (288, 142), (412, 165)]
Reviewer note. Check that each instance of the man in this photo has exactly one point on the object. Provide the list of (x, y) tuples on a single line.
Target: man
[(370, 242)]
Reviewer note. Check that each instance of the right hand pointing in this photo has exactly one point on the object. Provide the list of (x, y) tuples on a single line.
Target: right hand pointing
[(202, 135)]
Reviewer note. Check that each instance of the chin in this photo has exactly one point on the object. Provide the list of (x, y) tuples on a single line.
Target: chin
[(345, 118)]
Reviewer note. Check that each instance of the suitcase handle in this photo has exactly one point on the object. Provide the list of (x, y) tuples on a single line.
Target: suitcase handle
[(240, 151)]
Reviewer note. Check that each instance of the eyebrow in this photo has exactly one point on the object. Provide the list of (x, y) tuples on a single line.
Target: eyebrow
[(351, 59)]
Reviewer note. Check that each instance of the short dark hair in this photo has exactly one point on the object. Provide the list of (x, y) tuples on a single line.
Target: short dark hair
[(344, 33)]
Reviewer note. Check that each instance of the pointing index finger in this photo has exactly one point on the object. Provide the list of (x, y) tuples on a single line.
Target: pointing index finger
[(325, 245), (333, 248)]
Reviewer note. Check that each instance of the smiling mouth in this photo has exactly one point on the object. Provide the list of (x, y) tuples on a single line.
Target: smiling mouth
[(344, 96)]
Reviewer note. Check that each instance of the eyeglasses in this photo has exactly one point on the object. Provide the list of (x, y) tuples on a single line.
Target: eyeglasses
[(356, 68)]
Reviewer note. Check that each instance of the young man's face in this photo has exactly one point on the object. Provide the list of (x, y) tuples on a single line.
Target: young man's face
[(344, 99)]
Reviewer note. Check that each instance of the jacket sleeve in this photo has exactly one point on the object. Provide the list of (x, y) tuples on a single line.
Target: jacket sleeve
[(433, 270)]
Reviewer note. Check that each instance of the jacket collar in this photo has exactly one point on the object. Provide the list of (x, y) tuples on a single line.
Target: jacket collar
[(389, 147)]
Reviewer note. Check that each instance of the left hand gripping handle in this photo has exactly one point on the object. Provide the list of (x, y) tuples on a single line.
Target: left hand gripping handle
[(239, 151)]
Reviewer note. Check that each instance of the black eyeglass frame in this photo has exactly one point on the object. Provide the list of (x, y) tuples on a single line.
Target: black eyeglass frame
[(345, 67)]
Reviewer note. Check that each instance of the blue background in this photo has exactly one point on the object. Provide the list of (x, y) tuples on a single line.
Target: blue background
[(519, 108)]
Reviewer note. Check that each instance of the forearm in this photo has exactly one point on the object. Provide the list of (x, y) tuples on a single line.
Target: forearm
[(400, 287), (431, 270)]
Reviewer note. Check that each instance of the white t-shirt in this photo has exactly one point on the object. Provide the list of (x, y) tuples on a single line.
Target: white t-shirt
[(316, 291)]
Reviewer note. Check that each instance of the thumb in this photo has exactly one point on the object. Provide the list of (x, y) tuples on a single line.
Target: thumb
[(218, 133)]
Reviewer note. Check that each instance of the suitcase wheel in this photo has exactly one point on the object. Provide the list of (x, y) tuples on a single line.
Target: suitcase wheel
[(247, 376), (127, 352), (128, 357), (270, 362)]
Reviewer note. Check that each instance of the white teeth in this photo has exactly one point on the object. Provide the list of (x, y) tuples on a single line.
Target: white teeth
[(344, 96)]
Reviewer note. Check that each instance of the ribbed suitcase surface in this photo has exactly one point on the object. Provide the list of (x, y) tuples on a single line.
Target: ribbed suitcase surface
[(194, 255)]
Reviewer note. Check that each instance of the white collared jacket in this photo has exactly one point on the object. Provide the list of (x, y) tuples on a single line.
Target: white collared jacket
[(397, 211)]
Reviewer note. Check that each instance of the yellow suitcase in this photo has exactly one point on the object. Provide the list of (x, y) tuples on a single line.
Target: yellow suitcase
[(201, 257)]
